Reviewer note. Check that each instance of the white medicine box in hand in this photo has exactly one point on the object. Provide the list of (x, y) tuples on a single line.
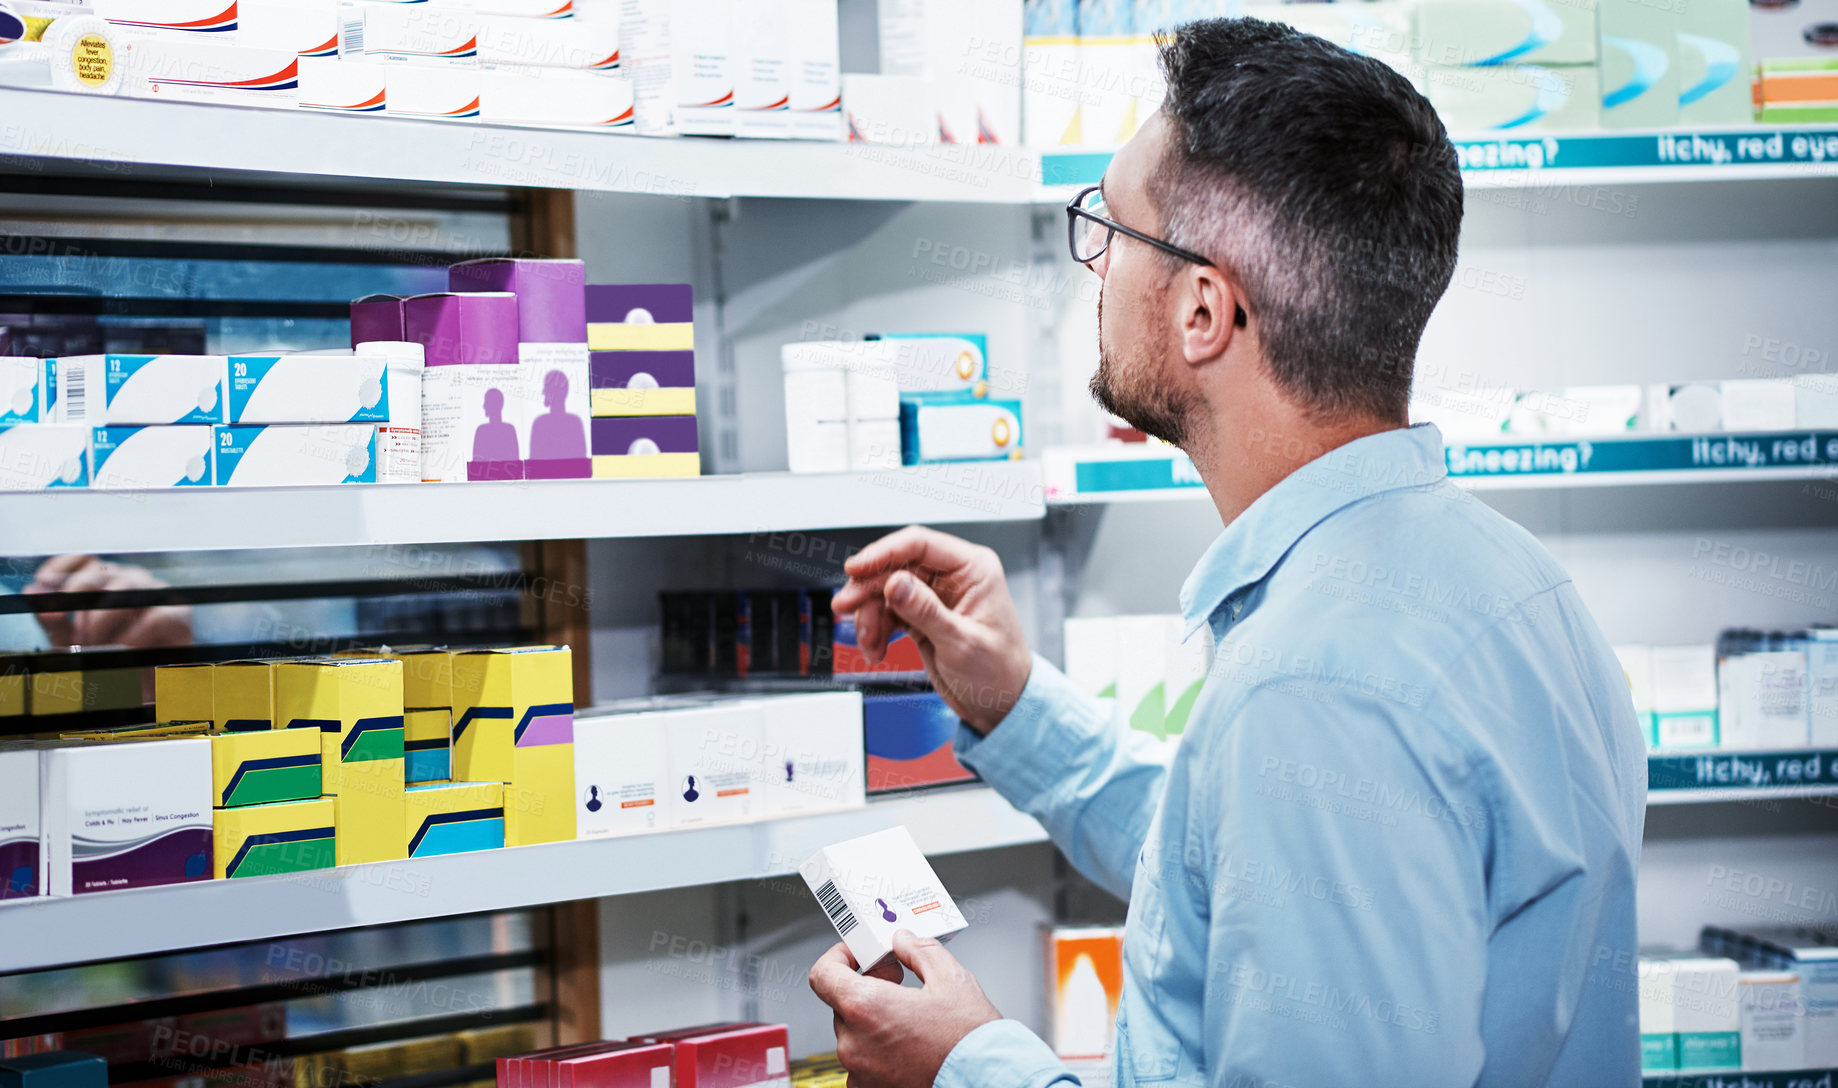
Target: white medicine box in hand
[(876, 885)]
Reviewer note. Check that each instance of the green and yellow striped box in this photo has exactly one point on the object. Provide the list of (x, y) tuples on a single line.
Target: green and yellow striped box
[(261, 840), (263, 767)]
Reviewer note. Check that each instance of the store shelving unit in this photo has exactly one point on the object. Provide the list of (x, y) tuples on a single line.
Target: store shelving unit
[(1799, 1078), (1114, 474), (204, 518), (210, 137), (1684, 777), (112, 925)]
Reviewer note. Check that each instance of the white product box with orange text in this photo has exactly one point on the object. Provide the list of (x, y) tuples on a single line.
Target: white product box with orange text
[(713, 749), (335, 86), (815, 71), (193, 71), (308, 28), (587, 43), (442, 94), (551, 98), (409, 33), (622, 775), (876, 885), (213, 20)]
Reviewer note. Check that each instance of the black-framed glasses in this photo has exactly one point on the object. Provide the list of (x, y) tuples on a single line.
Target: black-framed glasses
[(1089, 232)]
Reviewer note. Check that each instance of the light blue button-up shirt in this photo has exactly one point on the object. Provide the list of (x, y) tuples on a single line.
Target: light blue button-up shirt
[(1397, 844)]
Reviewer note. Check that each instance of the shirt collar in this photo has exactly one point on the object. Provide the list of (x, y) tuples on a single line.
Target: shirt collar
[(1255, 541)]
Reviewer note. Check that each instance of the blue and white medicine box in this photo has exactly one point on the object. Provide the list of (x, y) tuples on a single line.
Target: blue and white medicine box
[(957, 427), (283, 455), (34, 456), (342, 388), (137, 458), (139, 390)]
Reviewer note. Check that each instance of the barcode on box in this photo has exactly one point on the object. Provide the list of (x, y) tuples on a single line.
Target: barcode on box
[(840, 915), (75, 400)]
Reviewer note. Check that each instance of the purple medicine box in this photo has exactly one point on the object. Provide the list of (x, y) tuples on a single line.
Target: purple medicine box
[(454, 327), (644, 434), (551, 294), (376, 317), (667, 303), (666, 369)]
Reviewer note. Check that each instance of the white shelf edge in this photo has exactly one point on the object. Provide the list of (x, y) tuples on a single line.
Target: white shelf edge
[(216, 518), (1736, 795), (37, 934)]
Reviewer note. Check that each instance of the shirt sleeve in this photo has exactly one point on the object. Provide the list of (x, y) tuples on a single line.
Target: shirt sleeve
[(1002, 1054), (1344, 896), (1084, 774)]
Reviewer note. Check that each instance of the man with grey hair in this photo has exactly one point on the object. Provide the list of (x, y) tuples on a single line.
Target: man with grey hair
[(1398, 842)]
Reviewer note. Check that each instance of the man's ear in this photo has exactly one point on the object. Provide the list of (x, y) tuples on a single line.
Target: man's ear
[(1212, 312)]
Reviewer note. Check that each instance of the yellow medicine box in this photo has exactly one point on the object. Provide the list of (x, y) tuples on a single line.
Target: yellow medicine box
[(513, 722), (356, 699), (427, 744), (182, 693), (69, 690), (259, 840), (264, 766), (242, 695), (368, 807), (454, 817), (631, 336)]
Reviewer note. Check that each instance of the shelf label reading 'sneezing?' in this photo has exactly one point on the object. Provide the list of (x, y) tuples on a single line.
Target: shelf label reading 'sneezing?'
[(1713, 452)]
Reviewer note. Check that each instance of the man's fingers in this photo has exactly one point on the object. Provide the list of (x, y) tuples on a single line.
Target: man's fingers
[(871, 634), (52, 572), (833, 978), (888, 970), (914, 545), (920, 609), (925, 956)]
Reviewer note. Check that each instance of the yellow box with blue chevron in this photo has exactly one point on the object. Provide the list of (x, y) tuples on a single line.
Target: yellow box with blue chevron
[(242, 695), (454, 817), (182, 693), (283, 837), (266, 766), (355, 705), (513, 722)]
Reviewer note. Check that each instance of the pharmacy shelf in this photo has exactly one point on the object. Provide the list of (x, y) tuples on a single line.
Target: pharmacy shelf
[(1534, 161), (1122, 474), (41, 933), (1715, 776), (56, 125), (208, 518), (194, 136)]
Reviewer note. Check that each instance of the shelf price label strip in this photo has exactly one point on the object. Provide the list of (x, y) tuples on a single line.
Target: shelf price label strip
[(1738, 771), (1667, 453), (1815, 147), (1802, 1078)]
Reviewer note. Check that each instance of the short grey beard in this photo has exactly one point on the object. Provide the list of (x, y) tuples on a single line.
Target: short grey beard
[(1164, 418)]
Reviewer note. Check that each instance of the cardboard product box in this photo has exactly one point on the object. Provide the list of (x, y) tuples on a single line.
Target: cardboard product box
[(1637, 665), (753, 1056), (356, 705), (1658, 1034), (645, 57), (589, 44), (140, 389), (1051, 92), (1714, 60), (475, 396), (398, 437), (1822, 686), (1798, 89), (618, 1065), (21, 856), (126, 815), (1638, 49), (762, 71), (1685, 696), (1790, 31), (242, 695), (968, 52), (427, 744), (513, 722), (430, 93), (892, 110), (1815, 396), (1758, 404), (409, 33), (293, 455), (634, 446), (1773, 1015), (332, 388), (1816, 964), (307, 28), (812, 754), (54, 1069), (145, 19), (1762, 700), (622, 775), (22, 389), (847, 658), (815, 111), (138, 458), (875, 885), (73, 685), (182, 693), (369, 806), (1107, 71), (551, 348), (640, 317), (939, 427), (705, 65), (642, 383), (1519, 97), (908, 741), (264, 767), (280, 837), (36, 456), (1706, 1013), (454, 817), (713, 751), (928, 361), (185, 70), (13, 685), (335, 86), (556, 98), (1483, 33), (380, 317), (1085, 984)]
